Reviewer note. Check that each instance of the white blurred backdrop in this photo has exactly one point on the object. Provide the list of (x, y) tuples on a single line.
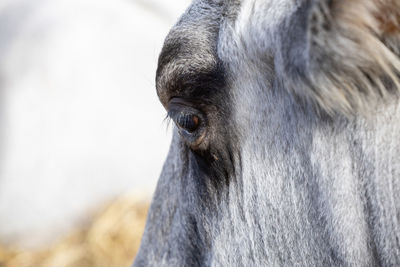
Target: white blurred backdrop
[(80, 119)]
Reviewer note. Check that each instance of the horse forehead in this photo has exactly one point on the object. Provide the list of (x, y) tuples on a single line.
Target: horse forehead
[(257, 24), (214, 32), (234, 26), (267, 12), (189, 50)]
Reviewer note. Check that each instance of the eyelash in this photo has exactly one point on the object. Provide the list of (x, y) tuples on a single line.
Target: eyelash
[(185, 120)]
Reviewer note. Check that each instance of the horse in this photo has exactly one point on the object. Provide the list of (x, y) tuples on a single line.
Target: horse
[(286, 145)]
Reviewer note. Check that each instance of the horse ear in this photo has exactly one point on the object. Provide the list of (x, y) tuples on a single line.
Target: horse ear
[(351, 56)]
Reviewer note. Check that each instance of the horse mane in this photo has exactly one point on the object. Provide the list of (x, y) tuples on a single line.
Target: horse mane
[(352, 56)]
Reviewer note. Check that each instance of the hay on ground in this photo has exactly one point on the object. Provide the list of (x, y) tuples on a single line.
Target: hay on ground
[(112, 239)]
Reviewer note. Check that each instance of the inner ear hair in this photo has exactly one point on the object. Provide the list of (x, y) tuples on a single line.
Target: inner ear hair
[(353, 56)]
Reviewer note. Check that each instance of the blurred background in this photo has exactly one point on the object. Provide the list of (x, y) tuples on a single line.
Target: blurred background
[(82, 134)]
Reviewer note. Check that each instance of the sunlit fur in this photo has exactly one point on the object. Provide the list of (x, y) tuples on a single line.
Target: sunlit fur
[(301, 162)]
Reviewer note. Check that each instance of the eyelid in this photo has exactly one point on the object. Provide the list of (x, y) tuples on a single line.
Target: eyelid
[(178, 105), (179, 101), (175, 110)]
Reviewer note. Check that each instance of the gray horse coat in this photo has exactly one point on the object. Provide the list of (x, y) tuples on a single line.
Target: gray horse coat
[(287, 145)]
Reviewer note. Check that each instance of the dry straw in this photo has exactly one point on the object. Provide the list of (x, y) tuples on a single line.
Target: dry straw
[(112, 239)]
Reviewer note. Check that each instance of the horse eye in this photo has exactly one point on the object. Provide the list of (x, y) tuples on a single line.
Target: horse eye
[(189, 122)]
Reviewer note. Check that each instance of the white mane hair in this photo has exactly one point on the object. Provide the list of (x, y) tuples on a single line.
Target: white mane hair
[(341, 55)]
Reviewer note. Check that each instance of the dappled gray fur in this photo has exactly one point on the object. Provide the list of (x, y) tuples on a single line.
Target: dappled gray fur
[(299, 158)]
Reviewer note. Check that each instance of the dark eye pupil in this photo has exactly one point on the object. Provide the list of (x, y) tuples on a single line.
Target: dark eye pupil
[(189, 122)]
